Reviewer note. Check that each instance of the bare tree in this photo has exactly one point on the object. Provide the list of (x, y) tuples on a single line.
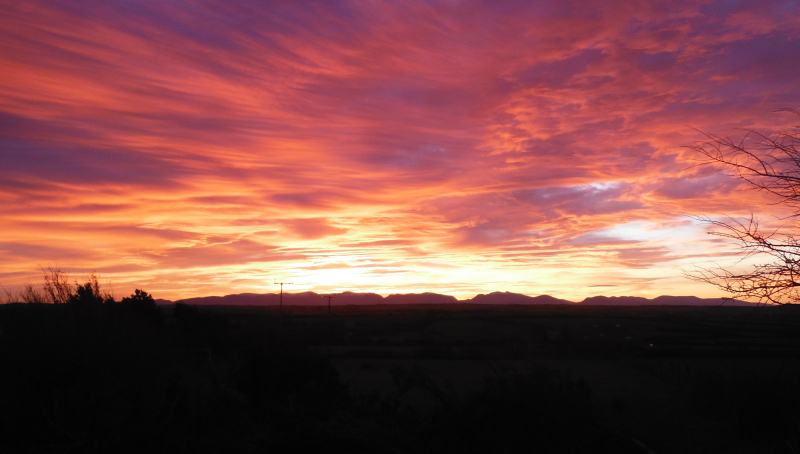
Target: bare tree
[(31, 294), (771, 163), (56, 286), (57, 290)]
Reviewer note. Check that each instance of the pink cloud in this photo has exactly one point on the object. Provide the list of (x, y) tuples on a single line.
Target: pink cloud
[(314, 228)]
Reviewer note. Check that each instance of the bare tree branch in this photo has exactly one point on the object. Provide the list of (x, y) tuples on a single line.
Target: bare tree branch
[(770, 163)]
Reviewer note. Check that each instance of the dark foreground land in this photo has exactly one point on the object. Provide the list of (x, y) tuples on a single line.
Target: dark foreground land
[(394, 379)]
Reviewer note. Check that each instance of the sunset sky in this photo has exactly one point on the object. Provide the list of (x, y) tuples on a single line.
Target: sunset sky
[(196, 148)]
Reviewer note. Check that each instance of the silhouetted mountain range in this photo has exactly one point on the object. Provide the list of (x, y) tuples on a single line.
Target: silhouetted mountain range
[(498, 298)]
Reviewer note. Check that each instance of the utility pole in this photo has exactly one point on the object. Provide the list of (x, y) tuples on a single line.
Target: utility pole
[(329, 303), (280, 310), (330, 328)]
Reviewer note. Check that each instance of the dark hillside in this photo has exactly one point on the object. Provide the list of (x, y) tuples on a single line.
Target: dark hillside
[(506, 298)]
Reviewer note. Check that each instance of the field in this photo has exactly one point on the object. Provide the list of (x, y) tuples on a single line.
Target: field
[(678, 379), (413, 379)]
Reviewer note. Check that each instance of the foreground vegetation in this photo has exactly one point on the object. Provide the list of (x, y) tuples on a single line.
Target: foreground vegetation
[(90, 374)]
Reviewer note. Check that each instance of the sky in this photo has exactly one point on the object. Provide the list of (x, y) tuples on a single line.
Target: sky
[(196, 148)]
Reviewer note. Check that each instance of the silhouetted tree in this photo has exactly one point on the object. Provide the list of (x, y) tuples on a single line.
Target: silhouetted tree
[(139, 298), (771, 163), (89, 293), (141, 303)]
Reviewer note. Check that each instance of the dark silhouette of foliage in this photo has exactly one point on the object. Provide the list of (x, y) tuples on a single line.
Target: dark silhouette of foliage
[(29, 294), (142, 304), (771, 163), (139, 298), (89, 376), (56, 286), (89, 294)]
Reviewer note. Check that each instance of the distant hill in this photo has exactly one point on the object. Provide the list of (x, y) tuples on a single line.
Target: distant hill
[(420, 298), (494, 298), (289, 299), (515, 298)]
